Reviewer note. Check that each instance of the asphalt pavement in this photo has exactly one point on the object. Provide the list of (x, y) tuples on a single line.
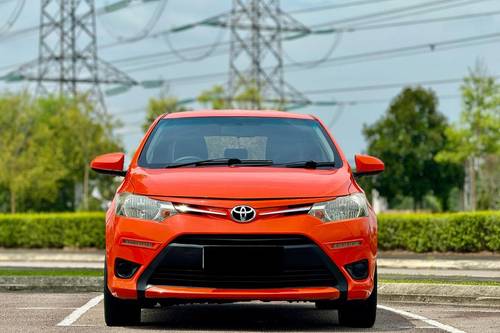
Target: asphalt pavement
[(83, 312)]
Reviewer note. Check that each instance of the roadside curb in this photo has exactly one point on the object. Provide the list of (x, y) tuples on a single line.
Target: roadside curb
[(51, 283), (440, 293), (388, 292)]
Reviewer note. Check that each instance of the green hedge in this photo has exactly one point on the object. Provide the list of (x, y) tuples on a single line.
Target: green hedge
[(52, 230), (456, 232)]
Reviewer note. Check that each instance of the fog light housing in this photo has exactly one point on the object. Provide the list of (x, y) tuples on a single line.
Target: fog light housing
[(358, 270), (125, 269)]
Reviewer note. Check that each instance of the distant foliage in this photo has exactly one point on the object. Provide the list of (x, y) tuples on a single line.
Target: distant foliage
[(214, 98), (46, 145), (474, 141), (407, 138), (159, 106), (454, 232), (55, 230), (217, 98)]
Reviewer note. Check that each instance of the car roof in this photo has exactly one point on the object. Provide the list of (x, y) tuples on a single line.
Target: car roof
[(237, 113)]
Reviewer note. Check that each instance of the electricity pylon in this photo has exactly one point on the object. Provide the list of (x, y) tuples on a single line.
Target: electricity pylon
[(256, 57), (67, 62)]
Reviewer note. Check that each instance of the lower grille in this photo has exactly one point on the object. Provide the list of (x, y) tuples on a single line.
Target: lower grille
[(239, 262), (304, 278)]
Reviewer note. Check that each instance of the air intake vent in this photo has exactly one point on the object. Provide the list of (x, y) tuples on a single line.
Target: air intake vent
[(243, 262)]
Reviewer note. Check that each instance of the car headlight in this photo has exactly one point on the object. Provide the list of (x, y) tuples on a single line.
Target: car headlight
[(142, 207), (341, 208)]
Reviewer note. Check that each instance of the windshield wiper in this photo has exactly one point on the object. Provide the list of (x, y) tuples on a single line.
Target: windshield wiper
[(223, 161), (307, 164)]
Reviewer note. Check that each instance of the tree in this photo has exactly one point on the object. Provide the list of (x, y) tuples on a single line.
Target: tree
[(216, 98), (475, 140), (159, 106), (81, 133), (25, 155), (407, 138), (46, 147)]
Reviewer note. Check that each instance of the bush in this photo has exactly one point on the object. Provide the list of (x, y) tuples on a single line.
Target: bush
[(456, 232), (52, 230)]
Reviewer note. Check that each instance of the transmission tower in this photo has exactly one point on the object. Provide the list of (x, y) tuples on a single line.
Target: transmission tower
[(256, 63), (67, 62)]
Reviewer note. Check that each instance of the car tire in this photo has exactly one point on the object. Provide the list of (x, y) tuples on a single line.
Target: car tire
[(362, 313), (118, 312)]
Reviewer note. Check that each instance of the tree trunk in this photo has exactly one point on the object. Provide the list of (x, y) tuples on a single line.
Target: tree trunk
[(472, 175), (13, 201), (86, 188), (444, 202)]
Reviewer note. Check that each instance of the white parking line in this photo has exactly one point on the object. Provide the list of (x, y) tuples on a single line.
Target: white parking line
[(73, 316), (426, 320)]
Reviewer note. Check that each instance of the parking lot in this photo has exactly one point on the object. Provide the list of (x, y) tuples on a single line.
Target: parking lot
[(83, 312)]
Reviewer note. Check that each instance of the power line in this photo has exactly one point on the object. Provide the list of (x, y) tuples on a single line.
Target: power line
[(359, 57), (313, 103), (386, 86), (336, 6), (220, 20), (179, 54), (163, 54), (67, 57), (107, 9), (381, 15), (175, 29), (417, 22), (211, 48), (365, 56), (411, 50), (146, 30), (13, 17)]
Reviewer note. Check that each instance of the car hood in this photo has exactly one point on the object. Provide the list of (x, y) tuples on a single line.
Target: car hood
[(240, 182)]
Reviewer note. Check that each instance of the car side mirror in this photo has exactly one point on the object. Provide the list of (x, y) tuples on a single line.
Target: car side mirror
[(109, 164), (367, 165)]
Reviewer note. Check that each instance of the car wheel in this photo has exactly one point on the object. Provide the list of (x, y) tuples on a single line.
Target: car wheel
[(118, 312), (360, 313)]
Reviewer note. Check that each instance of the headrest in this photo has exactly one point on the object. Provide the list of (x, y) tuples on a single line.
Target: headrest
[(240, 153)]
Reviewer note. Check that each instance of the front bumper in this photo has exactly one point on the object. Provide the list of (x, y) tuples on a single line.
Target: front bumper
[(161, 235), (277, 294)]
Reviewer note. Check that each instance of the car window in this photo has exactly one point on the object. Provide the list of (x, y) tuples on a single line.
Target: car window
[(281, 140)]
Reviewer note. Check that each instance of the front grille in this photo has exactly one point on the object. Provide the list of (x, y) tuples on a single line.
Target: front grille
[(243, 262), (254, 240)]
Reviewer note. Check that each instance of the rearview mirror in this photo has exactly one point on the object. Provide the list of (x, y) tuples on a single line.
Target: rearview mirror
[(109, 164), (367, 165)]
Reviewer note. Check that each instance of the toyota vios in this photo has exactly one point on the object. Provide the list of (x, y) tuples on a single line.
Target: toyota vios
[(226, 206)]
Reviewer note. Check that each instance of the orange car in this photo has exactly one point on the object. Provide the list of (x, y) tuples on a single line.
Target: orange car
[(226, 206)]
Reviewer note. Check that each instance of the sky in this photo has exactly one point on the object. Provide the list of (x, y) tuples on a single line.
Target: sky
[(346, 122)]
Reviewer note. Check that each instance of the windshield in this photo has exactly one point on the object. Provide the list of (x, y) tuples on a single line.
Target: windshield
[(279, 140)]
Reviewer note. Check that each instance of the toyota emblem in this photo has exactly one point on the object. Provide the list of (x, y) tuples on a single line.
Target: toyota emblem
[(243, 214)]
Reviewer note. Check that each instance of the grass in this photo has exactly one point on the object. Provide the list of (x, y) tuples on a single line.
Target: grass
[(50, 272), (58, 272)]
